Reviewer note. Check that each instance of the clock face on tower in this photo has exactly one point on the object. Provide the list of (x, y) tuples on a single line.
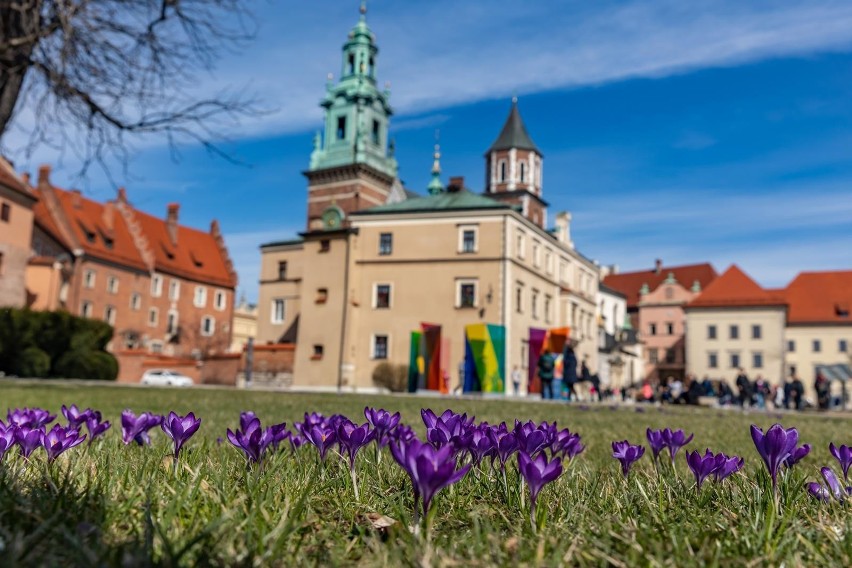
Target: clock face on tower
[(332, 218)]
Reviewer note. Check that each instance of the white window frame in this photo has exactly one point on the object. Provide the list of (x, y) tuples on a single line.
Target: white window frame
[(174, 289), (548, 304), (176, 314), (136, 301), (534, 303), (519, 297), (86, 309), (110, 314), (212, 331), (155, 346), (389, 252), (462, 230), (219, 301), (376, 295), (89, 279), (521, 243), (548, 261), (373, 343), (536, 253), (156, 319), (199, 297), (463, 281), (273, 315), (156, 286), (112, 284)]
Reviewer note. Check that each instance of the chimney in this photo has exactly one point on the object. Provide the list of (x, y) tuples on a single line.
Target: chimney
[(563, 228), (109, 216), (214, 228), (122, 195), (172, 221), (44, 174), (456, 184), (658, 266), (25, 177), (76, 198)]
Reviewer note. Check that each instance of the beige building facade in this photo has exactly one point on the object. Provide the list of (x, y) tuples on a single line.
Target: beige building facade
[(244, 326)]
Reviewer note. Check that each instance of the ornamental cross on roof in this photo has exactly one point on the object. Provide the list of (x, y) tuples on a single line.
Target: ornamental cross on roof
[(514, 133)]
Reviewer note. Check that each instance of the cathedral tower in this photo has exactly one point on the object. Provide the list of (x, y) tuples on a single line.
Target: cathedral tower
[(514, 167), (352, 165)]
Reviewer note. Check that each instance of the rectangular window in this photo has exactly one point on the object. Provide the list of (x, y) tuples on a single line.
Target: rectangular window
[(534, 304), (112, 285), (157, 286), (282, 270), (380, 347), (325, 245), (755, 332), (174, 289), (757, 360), (219, 301), (711, 332), (712, 360), (466, 294), (208, 326), (318, 352), (153, 317), (536, 251), (652, 355), (520, 245), (385, 243), (89, 279), (199, 300), (547, 302), (278, 310), (670, 356), (519, 296), (136, 301), (156, 346), (548, 262), (842, 346), (374, 134), (669, 328), (734, 332), (322, 296), (172, 322), (652, 329), (5, 212), (383, 296), (817, 346), (791, 346), (109, 315), (86, 310), (735, 360), (468, 240), (341, 127)]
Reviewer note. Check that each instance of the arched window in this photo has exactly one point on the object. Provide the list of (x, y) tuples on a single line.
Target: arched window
[(523, 172), (371, 70), (502, 170), (350, 64)]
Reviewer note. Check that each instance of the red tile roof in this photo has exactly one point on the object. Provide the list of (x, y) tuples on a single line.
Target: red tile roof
[(12, 180), (820, 297), (735, 288), (629, 283)]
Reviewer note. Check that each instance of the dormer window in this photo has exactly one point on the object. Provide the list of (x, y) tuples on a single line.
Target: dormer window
[(341, 127), (195, 261), (842, 309)]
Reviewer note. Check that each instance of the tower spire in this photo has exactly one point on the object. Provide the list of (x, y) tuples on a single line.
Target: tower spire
[(435, 186)]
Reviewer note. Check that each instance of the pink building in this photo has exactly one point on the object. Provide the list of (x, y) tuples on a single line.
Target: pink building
[(655, 303)]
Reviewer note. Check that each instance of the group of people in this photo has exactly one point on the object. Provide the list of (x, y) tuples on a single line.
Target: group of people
[(574, 378)]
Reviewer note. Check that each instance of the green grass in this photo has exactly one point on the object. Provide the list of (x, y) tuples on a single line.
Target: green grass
[(116, 505)]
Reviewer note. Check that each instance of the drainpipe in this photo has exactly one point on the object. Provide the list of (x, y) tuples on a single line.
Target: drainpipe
[(343, 319)]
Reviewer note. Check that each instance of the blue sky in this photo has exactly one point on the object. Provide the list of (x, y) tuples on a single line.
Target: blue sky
[(687, 131)]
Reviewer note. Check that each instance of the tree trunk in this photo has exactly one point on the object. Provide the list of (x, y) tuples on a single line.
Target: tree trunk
[(19, 34)]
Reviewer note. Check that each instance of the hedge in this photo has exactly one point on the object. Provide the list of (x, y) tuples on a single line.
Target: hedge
[(55, 344)]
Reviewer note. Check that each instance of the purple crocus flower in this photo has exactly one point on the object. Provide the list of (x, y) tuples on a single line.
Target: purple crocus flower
[(7, 438), (506, 445), (627, 454), (352, 438), (59, 439), (843, 455), (31, 417), (656, 441), (832, 487), (433, 470), (76, 417), (728, 466), (538, 472), (479, 444), (382, 422), (28, 439), (567, 443), (321, 436), (797, 455), (278, 433), (675, 440), (135, 429), (180, 429), (703, 466), (774, 447), (95, 426), (250, 438)]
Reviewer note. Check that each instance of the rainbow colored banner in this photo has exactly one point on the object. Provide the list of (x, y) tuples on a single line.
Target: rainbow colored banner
[(539, 339), (485, 358), (427, 363)]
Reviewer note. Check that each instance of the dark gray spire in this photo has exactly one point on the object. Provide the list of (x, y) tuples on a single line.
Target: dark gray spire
[(514, 133)]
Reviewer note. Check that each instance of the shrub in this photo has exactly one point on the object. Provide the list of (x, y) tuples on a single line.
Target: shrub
[(390, 376), (33, 362), (87, 364)]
